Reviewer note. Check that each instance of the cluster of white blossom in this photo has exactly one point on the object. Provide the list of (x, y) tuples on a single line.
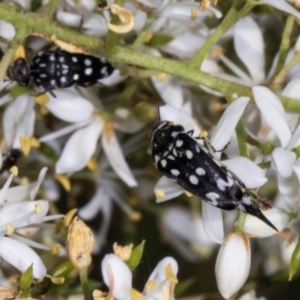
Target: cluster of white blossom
[(81, 130)]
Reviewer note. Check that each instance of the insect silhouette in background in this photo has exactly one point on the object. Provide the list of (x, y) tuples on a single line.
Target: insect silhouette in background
[(10, 159), (59, 69), (181, 158)]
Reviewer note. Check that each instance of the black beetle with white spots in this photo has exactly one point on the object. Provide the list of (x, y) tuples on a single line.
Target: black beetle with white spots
[(59, 69), (180, 157)]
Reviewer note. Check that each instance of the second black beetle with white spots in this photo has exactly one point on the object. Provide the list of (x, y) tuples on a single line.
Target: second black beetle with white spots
[(181, 158), (59, 69)]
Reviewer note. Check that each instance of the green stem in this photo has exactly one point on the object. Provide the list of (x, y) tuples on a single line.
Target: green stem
[(239, 227), (84, 284), (50, 8), (112, 37), (285, 43), (241, 138), (229, 89), (34, 23), (141, 37), (233, 15), (278, 79)]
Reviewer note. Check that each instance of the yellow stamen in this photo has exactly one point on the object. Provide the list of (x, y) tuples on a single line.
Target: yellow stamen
[(69, 217), (161, 77), (41, 99), (34, 143), (64, 181), (38, 209), (189, 194), (9, 229), (14, 171), (24, 180), (148, 36), (56, 249), (203, 134), (92, 164), (57, 280), (25, 144), (124, 252), (150, 285), (194, 14), (159, 193), (170, 274), (135, 216), (136, 295), (20, 52)]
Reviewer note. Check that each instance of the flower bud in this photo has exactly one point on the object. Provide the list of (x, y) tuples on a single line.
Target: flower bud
[(80, 244)]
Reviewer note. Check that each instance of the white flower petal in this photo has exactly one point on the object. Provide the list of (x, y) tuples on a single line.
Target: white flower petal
[(213, 222), (70, 107), (292, 89), (79, 148), (7, 31), (247, 171), (251, 53), (169, 113), (117, 276), (180, 222), (65, 130), (21, 214), (295, 140), (184, 45), (281, 5), (273, 112), (170, 189), (283, 162), (158, 273), (233, 264), (226, 125), (69, 19), (18, 120), (91, 209), (257, 228), (36, 185), (21, 256), (170, 90), (125, 121), (116, 159), (95, 25)]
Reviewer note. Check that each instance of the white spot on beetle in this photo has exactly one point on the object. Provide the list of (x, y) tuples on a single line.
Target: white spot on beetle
[(163, 163), (175, 172), (193, 179), (200, 171), (189, 154), (179, 143)]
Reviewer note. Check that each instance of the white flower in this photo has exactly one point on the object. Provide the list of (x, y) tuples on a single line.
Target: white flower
[(160, 285), (233, 264), (18, 211), (89, 128), (116, 276), (18, 120), (185, 231)]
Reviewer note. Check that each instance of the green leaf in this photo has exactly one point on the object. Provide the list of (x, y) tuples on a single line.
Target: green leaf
[(295, 261), (26, 281), (63, 269), (136, 256), (160, 39)]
